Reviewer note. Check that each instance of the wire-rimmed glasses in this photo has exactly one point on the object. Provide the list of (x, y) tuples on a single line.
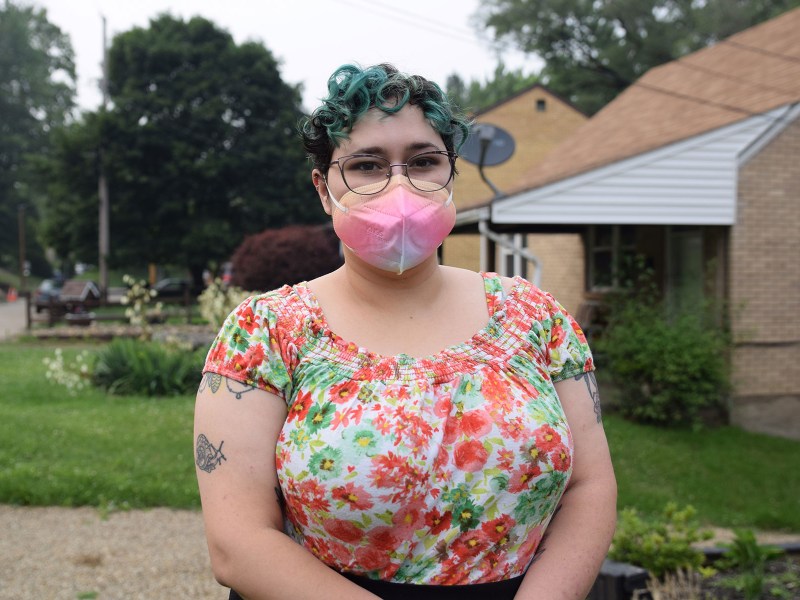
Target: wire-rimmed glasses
[(428, 171)]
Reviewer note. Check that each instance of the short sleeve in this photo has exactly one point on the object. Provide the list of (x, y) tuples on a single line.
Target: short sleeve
[(247, 348), (567, 349)]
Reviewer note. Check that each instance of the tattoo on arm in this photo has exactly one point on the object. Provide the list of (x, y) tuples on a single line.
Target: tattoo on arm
[(207, 456), (213, 381), (210, 381), (594, 393)]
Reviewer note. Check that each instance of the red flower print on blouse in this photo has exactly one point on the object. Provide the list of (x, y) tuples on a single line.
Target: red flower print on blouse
[(382, 538), (474, 423), (470, 544), (371, 559), (254, 356), (300, 407), (557, 334), (547, 438), (497, 529), (442, 407), (356, 497), (560, 457), (470, 456), (247, 320), (313, 495), (438, 522), (495, 388), (342, 392), (343, 530), (409, 518), (521, 478), (341, 553)]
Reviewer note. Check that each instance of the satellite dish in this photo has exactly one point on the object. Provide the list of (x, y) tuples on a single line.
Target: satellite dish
[(487, 145)]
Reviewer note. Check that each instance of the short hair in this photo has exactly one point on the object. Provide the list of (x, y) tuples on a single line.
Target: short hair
[(353, 90)]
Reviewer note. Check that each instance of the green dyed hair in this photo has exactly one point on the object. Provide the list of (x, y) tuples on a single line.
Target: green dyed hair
[(352, 91)]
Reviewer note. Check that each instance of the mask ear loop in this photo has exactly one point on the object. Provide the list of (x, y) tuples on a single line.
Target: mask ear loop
[(333, 198)]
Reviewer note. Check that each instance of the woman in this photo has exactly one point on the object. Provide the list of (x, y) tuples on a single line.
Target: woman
[(398, 428)]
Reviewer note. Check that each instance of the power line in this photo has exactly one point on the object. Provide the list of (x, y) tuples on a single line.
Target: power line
[(417, 21), (703, 101), (741, 80), (762, 51)]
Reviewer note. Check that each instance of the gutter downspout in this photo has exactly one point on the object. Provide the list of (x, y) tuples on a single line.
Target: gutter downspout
[(483, 228)]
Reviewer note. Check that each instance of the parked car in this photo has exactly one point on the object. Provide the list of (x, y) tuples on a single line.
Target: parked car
[(172, 287), (48, 291)]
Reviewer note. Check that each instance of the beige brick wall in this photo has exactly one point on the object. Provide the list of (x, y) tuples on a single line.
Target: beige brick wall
[(765, 271), (535, 134), (561, 256)]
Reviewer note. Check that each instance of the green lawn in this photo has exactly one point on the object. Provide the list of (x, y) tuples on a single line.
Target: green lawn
[(90, 449), (98, 450)]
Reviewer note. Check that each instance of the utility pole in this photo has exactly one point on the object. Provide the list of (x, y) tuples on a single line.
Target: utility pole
[(102, 184), (22, 266)]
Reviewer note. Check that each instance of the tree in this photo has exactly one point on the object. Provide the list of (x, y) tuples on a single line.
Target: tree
[(477, 95), (37, 88), (594, 49), (199, 146)]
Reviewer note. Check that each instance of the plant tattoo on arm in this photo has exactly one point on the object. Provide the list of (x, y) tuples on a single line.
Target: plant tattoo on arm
[(213, 381), (594, 393), (207, 456)]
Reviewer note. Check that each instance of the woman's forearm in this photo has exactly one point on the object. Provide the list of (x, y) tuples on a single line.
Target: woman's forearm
[(574, 545), (267, 565)]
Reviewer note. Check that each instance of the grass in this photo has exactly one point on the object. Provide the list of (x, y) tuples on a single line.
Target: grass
[(732, 477), (97, 450), (90, 449)]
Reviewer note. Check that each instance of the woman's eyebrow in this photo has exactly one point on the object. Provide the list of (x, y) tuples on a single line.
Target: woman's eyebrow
[(411, 147)]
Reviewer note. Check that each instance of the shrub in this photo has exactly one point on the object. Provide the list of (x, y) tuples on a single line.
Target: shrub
[(671, 368), (285, 256), (662, 545), (127, 367)]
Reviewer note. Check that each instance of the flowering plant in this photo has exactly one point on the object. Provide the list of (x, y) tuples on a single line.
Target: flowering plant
[(137, 299), (75, 376), (218, 300)]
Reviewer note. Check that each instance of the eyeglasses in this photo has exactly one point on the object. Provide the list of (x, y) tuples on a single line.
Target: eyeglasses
[(428, 172)]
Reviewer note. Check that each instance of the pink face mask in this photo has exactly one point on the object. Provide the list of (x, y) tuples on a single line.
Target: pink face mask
[(396, 229)]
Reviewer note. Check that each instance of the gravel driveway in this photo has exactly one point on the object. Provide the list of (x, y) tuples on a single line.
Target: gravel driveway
[(75, 554)]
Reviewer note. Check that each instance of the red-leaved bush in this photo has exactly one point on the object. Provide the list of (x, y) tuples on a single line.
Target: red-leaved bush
[(275, 257)]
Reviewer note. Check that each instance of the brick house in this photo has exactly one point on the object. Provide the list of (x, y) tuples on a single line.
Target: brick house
[(696, 166), (538, 120)]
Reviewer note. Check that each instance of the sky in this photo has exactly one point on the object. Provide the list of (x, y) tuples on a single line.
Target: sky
[(310, 38)]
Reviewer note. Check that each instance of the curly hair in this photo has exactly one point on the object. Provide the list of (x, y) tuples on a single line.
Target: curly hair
[(353, 90)]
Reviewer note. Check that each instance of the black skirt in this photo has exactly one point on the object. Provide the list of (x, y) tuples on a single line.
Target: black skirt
[(497, 590)]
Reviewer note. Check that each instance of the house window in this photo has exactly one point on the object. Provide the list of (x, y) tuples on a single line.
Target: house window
[(610, 248), (541, 105)]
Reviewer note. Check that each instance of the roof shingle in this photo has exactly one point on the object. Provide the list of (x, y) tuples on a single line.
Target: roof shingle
[(750, 73)]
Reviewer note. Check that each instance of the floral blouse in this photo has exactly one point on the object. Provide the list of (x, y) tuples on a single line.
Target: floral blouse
[(438, 470)]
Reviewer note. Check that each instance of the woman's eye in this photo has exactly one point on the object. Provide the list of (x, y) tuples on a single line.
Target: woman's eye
[(424, 162), (366, 166)]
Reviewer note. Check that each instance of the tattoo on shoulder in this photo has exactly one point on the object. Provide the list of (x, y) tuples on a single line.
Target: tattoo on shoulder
[(594, 393), (210, 381), (207, 456), (213, 382), (238, 389)]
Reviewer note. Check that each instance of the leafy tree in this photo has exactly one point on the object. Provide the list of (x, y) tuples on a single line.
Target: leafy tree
[(199, 146), (479, 95), (594, 49), (37, 87)]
